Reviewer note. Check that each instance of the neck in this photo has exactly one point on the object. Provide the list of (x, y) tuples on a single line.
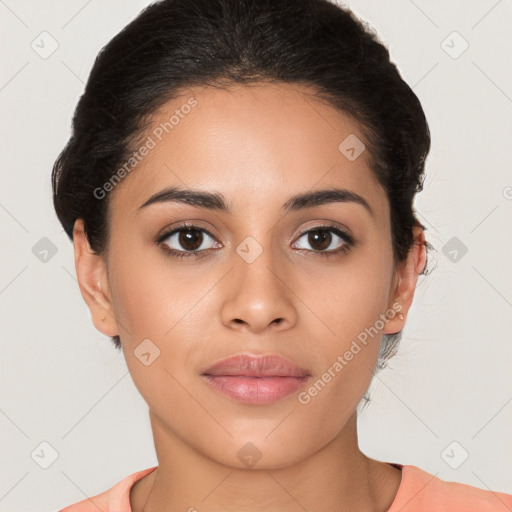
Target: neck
[(338, 477)]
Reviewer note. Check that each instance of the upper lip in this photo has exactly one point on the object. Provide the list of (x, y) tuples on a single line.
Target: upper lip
[(256, 366)]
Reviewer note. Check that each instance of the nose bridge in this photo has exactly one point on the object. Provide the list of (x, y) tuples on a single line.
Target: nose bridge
[(257, 264), (258, 293)]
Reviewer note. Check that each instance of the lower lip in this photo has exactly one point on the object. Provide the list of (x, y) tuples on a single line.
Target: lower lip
[(255, 390)]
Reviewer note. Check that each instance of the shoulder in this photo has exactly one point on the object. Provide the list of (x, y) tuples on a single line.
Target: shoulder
[(117, 498), (420, 491)]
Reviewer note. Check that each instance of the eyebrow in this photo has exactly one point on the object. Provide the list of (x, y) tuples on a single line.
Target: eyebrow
[(216, 201)]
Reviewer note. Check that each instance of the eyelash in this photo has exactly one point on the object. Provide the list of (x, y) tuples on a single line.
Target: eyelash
[(344, 249)]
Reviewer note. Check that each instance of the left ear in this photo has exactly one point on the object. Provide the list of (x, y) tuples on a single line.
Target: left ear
[(405, 281)]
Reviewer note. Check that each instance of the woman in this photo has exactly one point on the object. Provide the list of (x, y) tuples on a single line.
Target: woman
[(239, 190)]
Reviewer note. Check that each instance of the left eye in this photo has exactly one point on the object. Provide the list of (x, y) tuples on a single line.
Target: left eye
[(321, 239)]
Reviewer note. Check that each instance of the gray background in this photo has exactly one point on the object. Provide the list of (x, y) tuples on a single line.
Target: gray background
[(446, 394)]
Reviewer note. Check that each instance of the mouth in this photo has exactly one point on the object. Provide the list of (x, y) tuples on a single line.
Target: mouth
[(256, 380)]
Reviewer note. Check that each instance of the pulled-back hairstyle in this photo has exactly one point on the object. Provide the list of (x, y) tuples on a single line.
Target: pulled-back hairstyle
[(175, 44)]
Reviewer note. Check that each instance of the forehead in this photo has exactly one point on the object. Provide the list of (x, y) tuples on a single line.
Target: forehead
[(257, 144)]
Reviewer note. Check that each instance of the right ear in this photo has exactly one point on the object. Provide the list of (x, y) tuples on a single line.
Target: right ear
[(92, 275)]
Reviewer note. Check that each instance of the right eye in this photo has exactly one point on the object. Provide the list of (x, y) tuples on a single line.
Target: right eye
[(186, 240)]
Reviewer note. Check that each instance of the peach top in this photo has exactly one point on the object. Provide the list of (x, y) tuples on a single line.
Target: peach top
[(419, 491)]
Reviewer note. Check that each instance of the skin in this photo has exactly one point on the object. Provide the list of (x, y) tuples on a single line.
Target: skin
[(258, 146)]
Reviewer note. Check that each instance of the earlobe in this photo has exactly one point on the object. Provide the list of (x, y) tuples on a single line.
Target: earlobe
[(92, 278), (405, 281)]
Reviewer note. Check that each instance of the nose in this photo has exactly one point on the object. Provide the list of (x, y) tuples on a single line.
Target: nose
[(259, 296)]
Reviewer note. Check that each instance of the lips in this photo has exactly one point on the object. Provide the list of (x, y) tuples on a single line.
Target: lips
[(256, 366), (251, 379)]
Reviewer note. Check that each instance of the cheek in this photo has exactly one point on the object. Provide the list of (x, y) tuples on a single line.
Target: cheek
[(351, 302), (154, 306), (350, 296), (159, 311), (149, 293)]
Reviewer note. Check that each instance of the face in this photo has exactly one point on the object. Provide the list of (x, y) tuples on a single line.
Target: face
[(312, 282)]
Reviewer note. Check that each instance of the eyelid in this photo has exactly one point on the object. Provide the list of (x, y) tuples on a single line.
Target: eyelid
[(170, 230), (346, 232)]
